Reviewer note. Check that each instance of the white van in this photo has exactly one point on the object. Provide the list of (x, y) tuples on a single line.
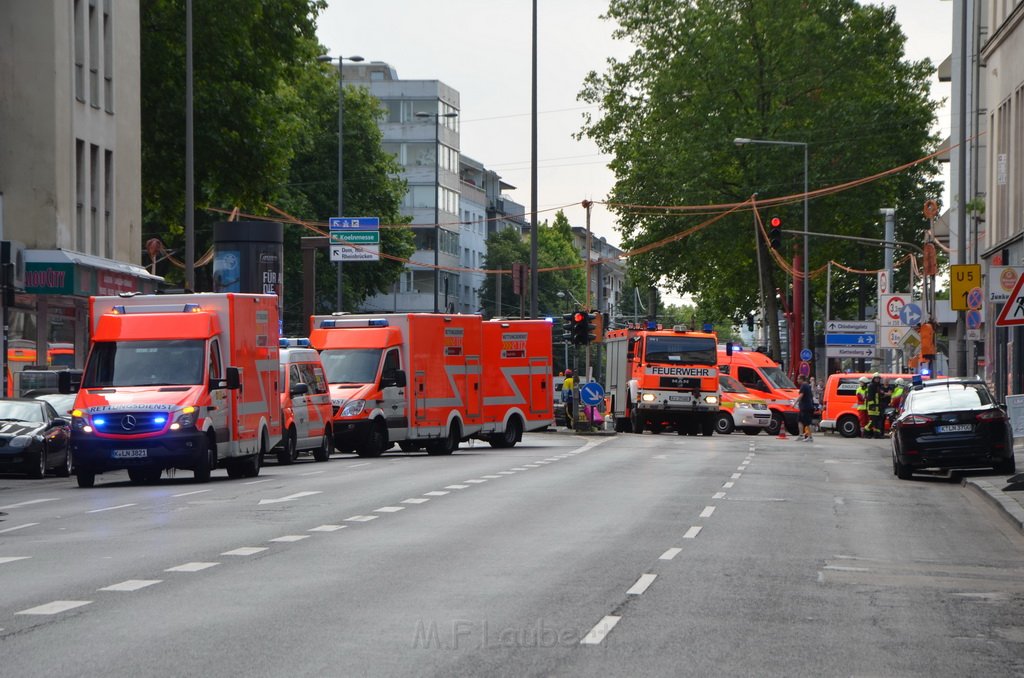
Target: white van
[(306, 410)]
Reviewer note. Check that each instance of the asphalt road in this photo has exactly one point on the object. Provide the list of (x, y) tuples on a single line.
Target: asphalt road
[(628, 555)]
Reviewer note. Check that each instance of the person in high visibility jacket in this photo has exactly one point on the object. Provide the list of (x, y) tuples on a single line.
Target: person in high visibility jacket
[(898, 391), (567, 396), (862, 405), (876, 409)]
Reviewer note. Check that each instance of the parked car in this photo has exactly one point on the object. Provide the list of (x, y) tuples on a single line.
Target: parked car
[(839, 401), (33, 438), (948, 424), (62, 402)]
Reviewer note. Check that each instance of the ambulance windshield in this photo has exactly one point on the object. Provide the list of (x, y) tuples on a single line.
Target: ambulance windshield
[(351, 366), (682, 350), (164, 362), (777, 378)]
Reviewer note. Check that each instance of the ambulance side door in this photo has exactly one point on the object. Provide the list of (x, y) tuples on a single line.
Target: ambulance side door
[(220, 398), (393, 395), (300, 403)]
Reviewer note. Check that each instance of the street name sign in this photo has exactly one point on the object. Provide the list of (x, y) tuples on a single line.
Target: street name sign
[(850, 351), (854, 326), (355, 238), (850, 339)]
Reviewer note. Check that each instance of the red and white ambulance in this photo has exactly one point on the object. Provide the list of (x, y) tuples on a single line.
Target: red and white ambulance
[(419, 379), (305, 404), (185, 381)]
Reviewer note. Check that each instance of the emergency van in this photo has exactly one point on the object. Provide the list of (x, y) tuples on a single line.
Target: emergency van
[(186, 381), (417, 379), (839, 402), (765, 379), (740, 409), (306, 411), (663, 377)]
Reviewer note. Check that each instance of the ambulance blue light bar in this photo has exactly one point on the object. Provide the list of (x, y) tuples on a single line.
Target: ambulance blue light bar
[(352, 323), (293, 342)]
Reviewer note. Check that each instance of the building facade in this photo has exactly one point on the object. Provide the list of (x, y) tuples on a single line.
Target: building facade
[(70, 161), (607, 275)]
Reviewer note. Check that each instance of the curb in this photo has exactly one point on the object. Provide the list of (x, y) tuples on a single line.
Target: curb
[(1010, 509)]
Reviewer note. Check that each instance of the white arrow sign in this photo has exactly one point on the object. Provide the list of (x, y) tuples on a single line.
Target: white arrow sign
[(297, 495)]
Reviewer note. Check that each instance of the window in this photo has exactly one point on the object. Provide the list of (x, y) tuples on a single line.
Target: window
[(94, 55), (214, 367), (94, 199), (108, 59), (79, 20), (79, 194), (108, 204)]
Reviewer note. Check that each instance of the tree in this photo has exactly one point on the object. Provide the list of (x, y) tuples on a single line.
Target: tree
[(504, 248), (829, 73)]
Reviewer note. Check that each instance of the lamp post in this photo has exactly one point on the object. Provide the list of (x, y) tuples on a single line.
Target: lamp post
[(341, 126), (807, 328), (437, 194)]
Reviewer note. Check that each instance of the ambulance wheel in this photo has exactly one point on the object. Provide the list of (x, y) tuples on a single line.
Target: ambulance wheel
[(323, 453), (751, 430), (724, 424), (512, 435), (848, 426), (250, 466), (288, 453), (376, 441), (85, 478), (775, 425), (707, 425), (447, 444), (207, 461)]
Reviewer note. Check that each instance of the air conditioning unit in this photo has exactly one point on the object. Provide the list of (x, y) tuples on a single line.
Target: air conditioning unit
[(13, 252)]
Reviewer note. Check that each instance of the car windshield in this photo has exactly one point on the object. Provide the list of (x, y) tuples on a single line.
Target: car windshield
[(730, 385), (777, 378), (162, 362), (10, 410), (62, 402), (951, 397), (682, 350), (351, 366)]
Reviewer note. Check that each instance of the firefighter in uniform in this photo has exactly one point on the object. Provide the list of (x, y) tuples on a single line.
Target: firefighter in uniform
[(862, 405), (876, 421), (898, 391)]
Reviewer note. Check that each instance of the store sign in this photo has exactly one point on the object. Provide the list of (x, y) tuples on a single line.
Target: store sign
[(44, 278), (112, 283)]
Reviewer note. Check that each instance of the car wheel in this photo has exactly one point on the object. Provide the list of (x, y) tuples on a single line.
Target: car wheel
[(707, 425), (288, 453), (448, 444), (251, 466), (513, 434), (848, 426), (205, 465), (902, 471), (636, 421), (38, 469), (85, 478), (751, 430), (775, 425), (323, 453), (65, 469), (724, 424)]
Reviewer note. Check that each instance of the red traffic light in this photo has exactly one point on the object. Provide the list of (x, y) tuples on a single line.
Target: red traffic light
[(775, 222), (579, 317)]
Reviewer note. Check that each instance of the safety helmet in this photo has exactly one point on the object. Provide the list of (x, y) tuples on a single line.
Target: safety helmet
[(863, 380), (876, 375), (568, 373), (900, 382)]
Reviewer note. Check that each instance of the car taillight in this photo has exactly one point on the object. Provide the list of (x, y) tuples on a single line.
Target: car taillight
[(917, 420), (991, 415)]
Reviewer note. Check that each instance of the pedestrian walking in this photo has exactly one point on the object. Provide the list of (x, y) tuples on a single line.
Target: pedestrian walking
[(805, 404)]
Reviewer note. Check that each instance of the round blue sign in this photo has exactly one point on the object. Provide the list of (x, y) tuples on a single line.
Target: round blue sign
[(910, 314), (591, 393), (806, 354)]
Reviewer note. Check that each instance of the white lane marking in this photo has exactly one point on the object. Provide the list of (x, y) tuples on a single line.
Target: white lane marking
[(327, 528), (245, 551), (661, 456), (435, 493), (415, 500), (602, 629), (530, 465), (727, 486), (290, 497), (311, 473), (839, 501), (520, 468), (475, 481), (692, 532), (257, 482), (27, 503), (670, 554), (389, 509), (456, 487), (741, 467), (19, 527), (361, 519), (736, 476), (131, 585), (641, 584), (708, 510), (492, 477), (111, 508), (289, 538), (185, 494), (11, 559), (840, 568), (553, 458), (506, 473), (365, 463), (56, 607), (191, 567), (540, 463), (718, 495)]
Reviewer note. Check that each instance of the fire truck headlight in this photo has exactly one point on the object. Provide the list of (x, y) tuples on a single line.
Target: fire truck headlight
[(353, 408), (712, 400), (648, 397)]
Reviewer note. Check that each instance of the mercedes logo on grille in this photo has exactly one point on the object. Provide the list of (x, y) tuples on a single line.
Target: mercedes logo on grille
[(128, 422)]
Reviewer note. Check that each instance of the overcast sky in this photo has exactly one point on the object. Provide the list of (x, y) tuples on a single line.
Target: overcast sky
[(482, 48)]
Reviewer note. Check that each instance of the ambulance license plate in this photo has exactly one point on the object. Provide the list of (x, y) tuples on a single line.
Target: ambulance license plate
[(679, 398), (139, 453)]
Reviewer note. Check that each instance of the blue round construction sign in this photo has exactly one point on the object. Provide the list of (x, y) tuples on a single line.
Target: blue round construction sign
[(591, 393), (910, 314)]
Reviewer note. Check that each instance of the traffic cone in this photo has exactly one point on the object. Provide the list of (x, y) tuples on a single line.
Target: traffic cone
[(782, 432)]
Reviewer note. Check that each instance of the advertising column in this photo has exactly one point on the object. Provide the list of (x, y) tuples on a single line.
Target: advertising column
[(249, 257)]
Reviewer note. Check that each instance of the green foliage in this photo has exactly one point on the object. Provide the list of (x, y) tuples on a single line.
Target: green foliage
[(829, 73)]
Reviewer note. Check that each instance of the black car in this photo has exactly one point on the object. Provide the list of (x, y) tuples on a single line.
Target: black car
[(948, 424), (33, 438)]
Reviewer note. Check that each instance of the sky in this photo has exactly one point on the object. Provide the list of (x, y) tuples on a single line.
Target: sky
[(482, 48)]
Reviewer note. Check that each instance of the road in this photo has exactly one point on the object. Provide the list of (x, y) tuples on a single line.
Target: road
[(569, 556)]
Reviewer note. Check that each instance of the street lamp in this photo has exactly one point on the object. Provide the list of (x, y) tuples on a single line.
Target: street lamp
[(341, 124), (808, 336), (437, 195)]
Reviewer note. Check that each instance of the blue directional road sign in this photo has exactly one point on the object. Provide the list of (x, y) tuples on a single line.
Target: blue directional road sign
[(850, 339), (910, 314), (591, 393), (806, 354)]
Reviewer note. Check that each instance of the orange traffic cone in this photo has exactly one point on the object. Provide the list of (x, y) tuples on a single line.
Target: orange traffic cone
[(782, 432)]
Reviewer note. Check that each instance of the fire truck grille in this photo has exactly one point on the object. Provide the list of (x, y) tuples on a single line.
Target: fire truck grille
[(129, 423), (688, 383)]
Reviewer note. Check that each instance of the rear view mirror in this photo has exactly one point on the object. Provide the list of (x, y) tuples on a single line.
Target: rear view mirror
[(232, 380), (394, 378), (298, 389)]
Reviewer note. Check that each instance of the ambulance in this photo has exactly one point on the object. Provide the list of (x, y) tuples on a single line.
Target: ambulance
[(740, 409), (429, 381), (306, 411), (659, 378), (765, 379), (186, 381)]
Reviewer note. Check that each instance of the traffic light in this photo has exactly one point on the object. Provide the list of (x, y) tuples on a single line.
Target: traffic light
[(750, 322), (579, 328), (593, 325), (775, 233)]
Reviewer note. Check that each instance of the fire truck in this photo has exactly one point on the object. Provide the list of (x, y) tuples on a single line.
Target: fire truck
[(185, 381), (429, 381), (659, 378)]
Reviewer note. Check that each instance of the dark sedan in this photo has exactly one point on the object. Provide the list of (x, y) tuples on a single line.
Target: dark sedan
[(33, 438), (948, 424)]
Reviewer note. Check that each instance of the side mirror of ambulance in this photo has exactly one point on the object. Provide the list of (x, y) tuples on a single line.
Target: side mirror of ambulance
[(393, 378), (298, 389), (232, 380)]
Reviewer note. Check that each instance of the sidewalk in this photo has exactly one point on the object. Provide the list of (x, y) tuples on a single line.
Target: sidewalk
[(1007, 494)]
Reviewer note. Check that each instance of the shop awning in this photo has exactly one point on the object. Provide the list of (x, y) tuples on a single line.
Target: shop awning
[(78, 274)]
